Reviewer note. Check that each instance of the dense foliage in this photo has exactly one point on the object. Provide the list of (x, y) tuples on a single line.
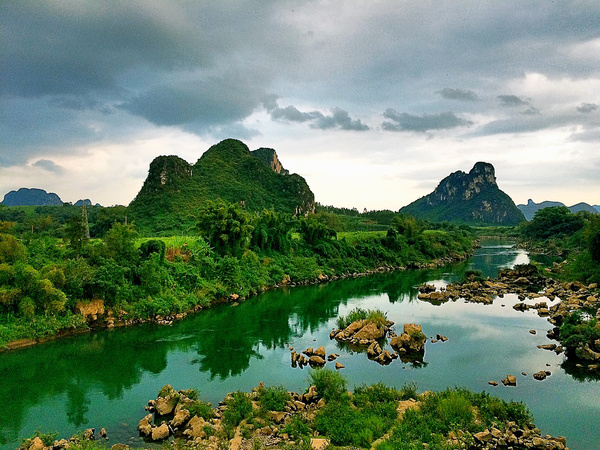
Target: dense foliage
[(48, 272), (575, 236), (228, 170)]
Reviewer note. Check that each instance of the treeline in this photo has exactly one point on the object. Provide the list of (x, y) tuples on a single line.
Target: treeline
[(573, 236), (45, 271)]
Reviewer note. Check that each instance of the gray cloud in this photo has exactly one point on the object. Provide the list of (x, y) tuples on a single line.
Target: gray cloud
[(206, 102), (513, 100), (426, 122), (50, 166), (586, 108), (339, 119), (531, 111), (458, 94)]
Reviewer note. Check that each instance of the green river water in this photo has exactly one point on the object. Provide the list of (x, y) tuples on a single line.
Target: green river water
[(104, 379)]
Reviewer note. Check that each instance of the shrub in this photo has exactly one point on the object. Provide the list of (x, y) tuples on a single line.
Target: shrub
[(239, 407), (201, 409), (273, 398), (330, 385)]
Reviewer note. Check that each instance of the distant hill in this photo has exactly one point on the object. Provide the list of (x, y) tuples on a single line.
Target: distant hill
[(471, 198), (174, 189), (31, 197), (597, 207), (531, 207)]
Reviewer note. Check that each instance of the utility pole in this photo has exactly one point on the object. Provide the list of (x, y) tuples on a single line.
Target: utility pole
[(85, 220)]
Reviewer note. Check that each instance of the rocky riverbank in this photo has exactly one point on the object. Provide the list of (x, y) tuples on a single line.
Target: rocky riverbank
[(534, 291), (274, 418)]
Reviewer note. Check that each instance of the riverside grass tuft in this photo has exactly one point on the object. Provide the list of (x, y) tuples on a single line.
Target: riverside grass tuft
[(376, 316)]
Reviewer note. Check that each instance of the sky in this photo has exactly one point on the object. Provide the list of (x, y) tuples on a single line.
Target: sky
[(373, 102)]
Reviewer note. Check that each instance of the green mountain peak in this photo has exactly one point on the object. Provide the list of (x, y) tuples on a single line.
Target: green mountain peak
[(472, 198)]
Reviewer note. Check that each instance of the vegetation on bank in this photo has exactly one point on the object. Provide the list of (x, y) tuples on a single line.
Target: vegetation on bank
[(376, 415), (53, 260)]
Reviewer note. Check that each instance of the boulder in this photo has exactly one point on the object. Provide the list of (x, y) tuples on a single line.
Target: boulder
[(493, 383), (145, 425), (180, 418), (277, 416), (541, 375), (370, 332), (166, 405), (195, 428), (36, 444), (412, 340), (510, 380), (316, 361), (160, 433), (339, 366), (320, 352), (374, 350)]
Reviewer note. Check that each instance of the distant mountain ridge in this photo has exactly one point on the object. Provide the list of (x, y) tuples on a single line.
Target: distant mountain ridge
[(228, 170), (531, 207), (471, 198), (31, 197)]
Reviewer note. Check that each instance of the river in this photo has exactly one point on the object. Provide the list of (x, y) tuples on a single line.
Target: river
[(104, 379)]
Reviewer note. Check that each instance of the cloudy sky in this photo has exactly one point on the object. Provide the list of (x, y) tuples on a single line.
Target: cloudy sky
[(373, 102)]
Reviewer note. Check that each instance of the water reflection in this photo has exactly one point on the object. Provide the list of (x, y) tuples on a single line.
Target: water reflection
[(226, 345)]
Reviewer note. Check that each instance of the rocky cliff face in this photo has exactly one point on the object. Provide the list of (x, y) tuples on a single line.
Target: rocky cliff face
[(472, 197), (269, 156)]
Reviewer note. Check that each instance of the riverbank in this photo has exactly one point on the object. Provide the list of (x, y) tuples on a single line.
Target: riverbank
[(94, 315), (326, 414)]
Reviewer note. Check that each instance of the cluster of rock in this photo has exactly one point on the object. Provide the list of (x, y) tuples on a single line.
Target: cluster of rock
[(528, 284), (314, 358), (514, 437), (89, 434), (511, 380), (170, 416), (367, 335)]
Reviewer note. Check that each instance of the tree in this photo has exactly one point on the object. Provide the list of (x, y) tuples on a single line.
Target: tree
[(120, 243), (76, 234), (11, 250), (553, 221), (592, 237), (227, 228)]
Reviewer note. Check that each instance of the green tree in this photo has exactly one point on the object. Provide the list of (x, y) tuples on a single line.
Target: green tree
[(120, 243), (76, 234), (553, 221), (592, 237), (227, 228), (11, 250)]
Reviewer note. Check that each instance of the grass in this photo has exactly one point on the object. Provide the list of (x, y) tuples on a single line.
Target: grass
[(273, 398), (353, 237), (376, 316)]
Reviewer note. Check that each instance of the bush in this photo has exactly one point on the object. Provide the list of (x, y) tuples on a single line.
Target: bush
[(273, 398), (330, 385), (239, 407)]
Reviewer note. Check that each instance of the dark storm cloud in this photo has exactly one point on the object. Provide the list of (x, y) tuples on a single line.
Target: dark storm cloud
[(339, 119), (207, 102), (586, 108), (458, 94), (513, 100), (426, 122)]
